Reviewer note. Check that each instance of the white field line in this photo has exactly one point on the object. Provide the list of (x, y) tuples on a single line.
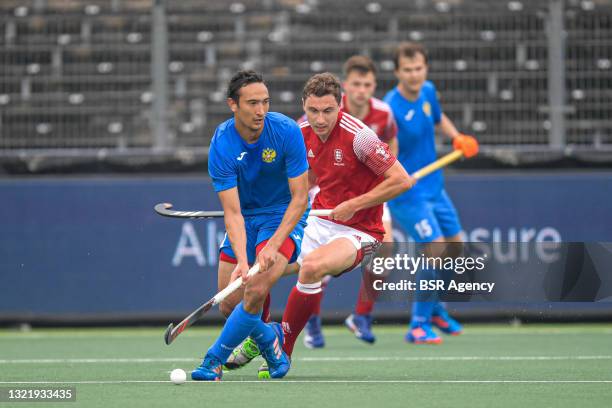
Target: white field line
[(306, 359), (319, 382), (199, 333)]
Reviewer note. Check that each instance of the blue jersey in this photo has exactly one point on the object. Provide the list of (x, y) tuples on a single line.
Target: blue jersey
[(260, 170), (416, 122)]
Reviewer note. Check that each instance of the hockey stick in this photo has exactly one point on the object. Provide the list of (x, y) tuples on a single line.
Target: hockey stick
[(438, 164), (166, 210), (173, 332)]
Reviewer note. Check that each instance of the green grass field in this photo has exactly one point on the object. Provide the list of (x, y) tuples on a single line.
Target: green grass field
[(488, 366)]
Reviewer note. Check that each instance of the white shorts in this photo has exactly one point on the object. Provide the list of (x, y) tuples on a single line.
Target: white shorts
[(386, 217), (321, 232)]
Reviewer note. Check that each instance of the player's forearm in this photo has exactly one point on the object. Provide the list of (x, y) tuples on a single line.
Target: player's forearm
[(234, 226), (396, 181), (234, 222), (447, 127)]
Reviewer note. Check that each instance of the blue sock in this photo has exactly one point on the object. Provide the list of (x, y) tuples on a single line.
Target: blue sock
[(439, 308), (237, 327), (263, 334), (423, 305)]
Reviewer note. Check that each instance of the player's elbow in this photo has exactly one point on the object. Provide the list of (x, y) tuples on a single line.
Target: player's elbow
[(404, 182)]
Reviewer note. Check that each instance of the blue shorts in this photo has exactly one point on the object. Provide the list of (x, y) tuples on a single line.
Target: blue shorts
[(427, 219), (260, 228)]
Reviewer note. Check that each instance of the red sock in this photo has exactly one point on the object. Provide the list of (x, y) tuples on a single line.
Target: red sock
[(265, 314), (365, 303), (324, 282), (367, 295), (317, 308), (301, 304)]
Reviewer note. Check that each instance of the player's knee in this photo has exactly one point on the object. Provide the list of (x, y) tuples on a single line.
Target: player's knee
[(254, 296), (311, 270)]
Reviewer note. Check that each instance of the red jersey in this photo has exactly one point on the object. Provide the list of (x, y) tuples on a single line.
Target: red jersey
[(349, 163), (380, 118)]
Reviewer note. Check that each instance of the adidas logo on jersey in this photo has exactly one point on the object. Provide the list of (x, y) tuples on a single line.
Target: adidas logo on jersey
[(310, 153)]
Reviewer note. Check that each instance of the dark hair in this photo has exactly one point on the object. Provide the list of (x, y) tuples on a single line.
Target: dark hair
[(322, 84), (410, 50), (240, 79), (359, 63)]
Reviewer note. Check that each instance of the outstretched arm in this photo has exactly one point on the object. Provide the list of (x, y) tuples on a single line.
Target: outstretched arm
[(376, 156), (396, 182), (467, 144)]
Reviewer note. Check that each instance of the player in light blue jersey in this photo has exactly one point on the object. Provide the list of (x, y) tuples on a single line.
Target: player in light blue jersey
[(425, 211), (257, 162)]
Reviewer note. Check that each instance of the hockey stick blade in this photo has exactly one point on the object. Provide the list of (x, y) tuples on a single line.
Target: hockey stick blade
[(166, 210), (173, 332), (168, 335)]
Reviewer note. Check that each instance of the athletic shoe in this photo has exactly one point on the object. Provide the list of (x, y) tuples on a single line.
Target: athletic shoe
[(242, 355), (264, 372), (442, 320), (275, 356), (209, 370), (422, 334), (361, 326), (313, 336)]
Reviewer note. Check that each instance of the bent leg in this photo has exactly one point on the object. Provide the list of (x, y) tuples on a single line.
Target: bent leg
[(331, 259)]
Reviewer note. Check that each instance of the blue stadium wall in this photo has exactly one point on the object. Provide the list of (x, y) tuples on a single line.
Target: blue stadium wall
[(92, 249)]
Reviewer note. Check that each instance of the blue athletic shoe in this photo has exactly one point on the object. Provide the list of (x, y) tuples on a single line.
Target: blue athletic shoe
[(211, 369), (278, 361), (361, 326), (422, 334), (313, 336), (444, 322)]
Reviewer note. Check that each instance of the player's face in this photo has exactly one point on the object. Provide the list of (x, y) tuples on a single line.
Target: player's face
[(322, 113), (411, 73), (359, 88), (252, 107)]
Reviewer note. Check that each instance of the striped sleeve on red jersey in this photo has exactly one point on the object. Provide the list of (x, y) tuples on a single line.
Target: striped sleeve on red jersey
[(368, 148), (390, 131)]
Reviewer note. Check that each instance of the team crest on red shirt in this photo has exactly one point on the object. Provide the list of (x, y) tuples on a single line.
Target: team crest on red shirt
[(381, 151), (338, 156)]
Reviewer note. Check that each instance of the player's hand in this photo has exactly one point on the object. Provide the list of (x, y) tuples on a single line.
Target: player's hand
[(267, 257), (467, 144), (343, 212), (240, 270)]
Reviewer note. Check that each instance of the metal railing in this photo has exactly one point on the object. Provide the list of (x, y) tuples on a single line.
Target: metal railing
[(149, 75)]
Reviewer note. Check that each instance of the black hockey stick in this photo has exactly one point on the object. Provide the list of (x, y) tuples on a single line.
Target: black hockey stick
[(166, 210), (173, 332)]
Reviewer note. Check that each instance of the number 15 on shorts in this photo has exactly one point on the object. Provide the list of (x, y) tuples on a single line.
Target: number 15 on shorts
[(423, 228)]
